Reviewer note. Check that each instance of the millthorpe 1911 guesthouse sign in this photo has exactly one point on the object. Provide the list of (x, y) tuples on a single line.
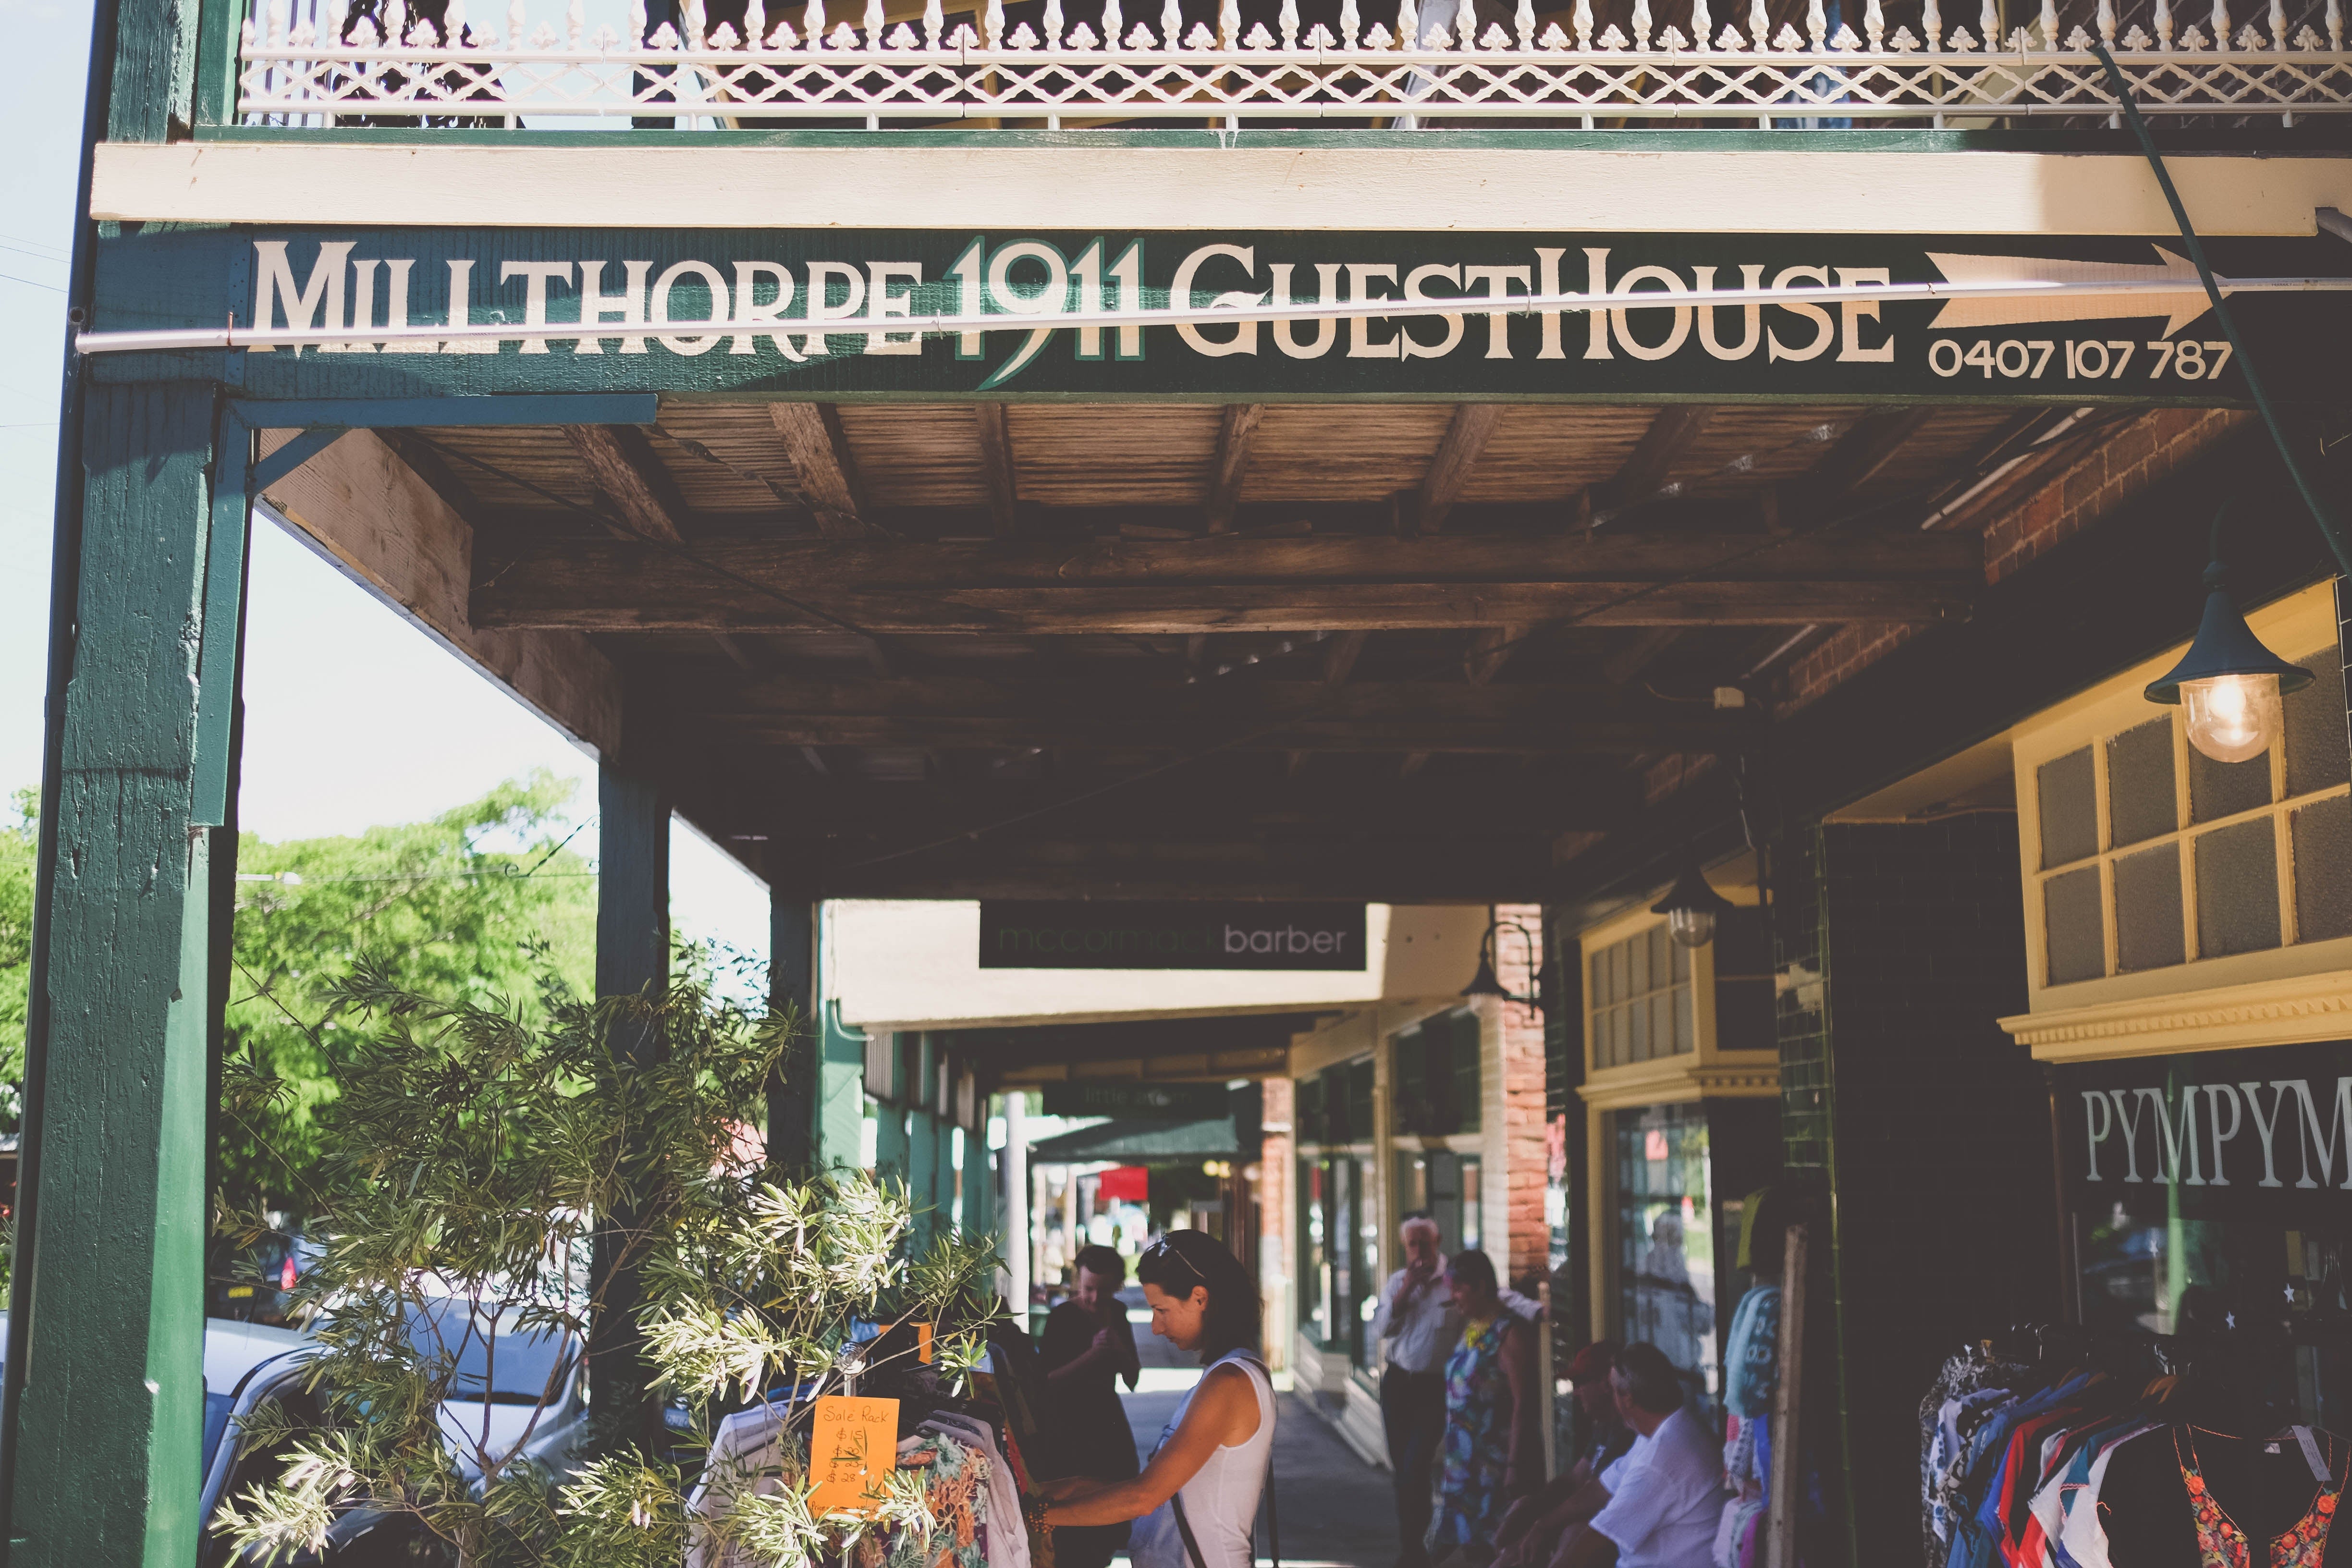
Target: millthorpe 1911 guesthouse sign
[(747, 309)]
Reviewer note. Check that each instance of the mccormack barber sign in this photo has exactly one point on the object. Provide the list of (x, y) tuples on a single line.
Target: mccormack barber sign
[(1115, 935), (2263, 1131), (747, 310)]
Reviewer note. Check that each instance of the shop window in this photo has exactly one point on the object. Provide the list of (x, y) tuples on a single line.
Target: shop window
[(1357, 1083), (2071, 912), (1338, 1208), (1641, 1000), (1314, 1253), (2069, 810), (2322, 869), (2217, 790), (2142, 797), (2254, 1271), (1445, 1186), (2237, 889), (2153, 855), (1665, 1237), (2148, 910), (1366, 1272), (1438, 1081), (2316, 753)]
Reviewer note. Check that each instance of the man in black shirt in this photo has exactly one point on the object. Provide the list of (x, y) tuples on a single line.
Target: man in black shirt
[(1088, 1348)]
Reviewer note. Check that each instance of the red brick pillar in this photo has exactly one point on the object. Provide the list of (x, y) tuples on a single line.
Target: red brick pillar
[(1277, 1257), (1525, 1156)]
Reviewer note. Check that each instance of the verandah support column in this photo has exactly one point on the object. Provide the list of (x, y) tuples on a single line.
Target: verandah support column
[(108, 1331), (632, 959), (791, 983)]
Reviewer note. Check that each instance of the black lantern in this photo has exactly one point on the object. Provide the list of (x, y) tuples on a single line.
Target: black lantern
[(1692, 908), (1485, 982), (2228, 683)]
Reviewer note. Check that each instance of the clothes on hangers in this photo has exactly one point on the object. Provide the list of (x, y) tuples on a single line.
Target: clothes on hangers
[(749, 1456), (2026, 1467)]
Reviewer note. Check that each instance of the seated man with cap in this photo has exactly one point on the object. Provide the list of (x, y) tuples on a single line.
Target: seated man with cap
[(1534, 1525)]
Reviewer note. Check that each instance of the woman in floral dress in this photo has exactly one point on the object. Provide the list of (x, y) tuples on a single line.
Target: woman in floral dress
[(1488, 1411)]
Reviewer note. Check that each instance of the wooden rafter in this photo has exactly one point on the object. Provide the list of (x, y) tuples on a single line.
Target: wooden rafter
[(1232, 583), (996, 461), (821, 457), (1874, 441), (1490, 648), (1235, 428), (961, 713), (620, 463), (1648, 469), (1450, 466)]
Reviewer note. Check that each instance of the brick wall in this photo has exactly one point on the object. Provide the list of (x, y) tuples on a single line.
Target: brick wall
[(1528, 1242), (1933, 1124), (1276, 1206), (2077, 495)]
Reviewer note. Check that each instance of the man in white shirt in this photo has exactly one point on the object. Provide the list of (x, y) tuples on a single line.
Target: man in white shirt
[(1417, 1323), (1666, 1496)]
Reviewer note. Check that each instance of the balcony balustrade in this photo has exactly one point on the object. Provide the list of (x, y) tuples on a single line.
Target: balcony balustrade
[(436, 67)]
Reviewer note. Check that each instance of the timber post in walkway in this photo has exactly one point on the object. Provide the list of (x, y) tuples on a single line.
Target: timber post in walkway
[(107, 1363), (791, 983), (632, 959)]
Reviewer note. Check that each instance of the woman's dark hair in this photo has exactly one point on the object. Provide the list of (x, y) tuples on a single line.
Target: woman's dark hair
[(1104, 1262), (1475, 1270), (1184, 1258)]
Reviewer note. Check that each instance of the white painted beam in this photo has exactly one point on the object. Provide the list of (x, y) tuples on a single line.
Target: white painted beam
[(1398, 186)]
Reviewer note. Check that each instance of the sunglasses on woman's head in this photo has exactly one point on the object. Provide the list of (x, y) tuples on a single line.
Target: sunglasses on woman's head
[(1166, 1247)]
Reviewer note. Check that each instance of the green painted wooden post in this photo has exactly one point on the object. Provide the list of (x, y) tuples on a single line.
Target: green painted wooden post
[(154, 46), (978, 1175), (632, 959), (944, 1176), (791, 975), (841, 1090), (110, 1419), (922, 1165), (890, 1141)]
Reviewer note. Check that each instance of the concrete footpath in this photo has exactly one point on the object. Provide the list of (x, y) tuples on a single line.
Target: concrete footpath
[(1335, 1511)]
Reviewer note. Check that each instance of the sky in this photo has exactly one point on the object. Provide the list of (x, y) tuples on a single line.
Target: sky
[(353, 716)]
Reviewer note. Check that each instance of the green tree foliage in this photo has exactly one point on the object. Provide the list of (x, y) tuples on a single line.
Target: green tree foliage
[(475, 906), (470, 1151), (17, 845)]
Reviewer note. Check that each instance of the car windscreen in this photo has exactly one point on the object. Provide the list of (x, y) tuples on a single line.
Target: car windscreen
[(518, 1364)]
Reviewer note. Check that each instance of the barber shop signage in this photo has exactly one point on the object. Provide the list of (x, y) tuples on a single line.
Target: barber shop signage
[(2265, 1132), (747, 310), (1114, 934)]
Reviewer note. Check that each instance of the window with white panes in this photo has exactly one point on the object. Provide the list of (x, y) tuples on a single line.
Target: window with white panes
[(2147, 855), (1640, 999)]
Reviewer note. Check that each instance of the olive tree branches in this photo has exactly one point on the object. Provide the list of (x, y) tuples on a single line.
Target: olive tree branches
[(471, 1151)]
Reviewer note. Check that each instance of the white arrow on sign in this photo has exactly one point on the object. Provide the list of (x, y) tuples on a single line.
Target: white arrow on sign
[(2017, 310)]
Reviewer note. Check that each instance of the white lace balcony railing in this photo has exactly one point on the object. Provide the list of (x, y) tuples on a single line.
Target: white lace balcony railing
[(829, 69)]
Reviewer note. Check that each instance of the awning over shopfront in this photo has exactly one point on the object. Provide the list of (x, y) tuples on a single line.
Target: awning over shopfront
[(1141, 1143)]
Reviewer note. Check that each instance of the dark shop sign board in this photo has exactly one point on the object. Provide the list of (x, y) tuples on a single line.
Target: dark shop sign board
[(1113, 934), (1146, 1101), (644, 292), (2261, 1134)]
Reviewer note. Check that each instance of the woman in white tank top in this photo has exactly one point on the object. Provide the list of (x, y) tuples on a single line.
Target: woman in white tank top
[(1211, 1465)]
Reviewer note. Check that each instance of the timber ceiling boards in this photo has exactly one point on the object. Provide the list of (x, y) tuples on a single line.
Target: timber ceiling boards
[(1342, 649)]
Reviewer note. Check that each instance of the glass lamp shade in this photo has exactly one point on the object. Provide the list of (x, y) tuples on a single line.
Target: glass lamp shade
[(2229, 682), (1690, 908), (2233, 718), (1691, 928)]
